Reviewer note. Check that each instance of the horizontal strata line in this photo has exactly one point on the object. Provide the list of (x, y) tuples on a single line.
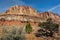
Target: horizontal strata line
[(17, 15), (18, 21)]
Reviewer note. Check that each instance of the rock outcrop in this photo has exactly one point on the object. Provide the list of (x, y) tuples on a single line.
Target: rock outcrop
[(18, 12), (19, 15), (22, 10), (53, 16)]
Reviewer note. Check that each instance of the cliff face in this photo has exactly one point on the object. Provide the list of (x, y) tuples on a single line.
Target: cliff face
[(22, 10), (27, 13), (18, 15), (46, 15)]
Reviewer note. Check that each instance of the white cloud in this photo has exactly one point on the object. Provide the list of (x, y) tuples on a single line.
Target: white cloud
[(54, 8)]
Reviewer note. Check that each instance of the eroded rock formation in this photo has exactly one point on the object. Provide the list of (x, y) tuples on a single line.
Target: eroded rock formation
[(19, 15)]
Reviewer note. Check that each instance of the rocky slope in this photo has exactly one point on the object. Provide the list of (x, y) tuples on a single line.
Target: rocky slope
[(46, 15), (27, 10), (22, 10), (27, 13)]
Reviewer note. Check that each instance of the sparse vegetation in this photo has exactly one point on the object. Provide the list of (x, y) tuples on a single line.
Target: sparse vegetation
[(13, 33), (47, 28)]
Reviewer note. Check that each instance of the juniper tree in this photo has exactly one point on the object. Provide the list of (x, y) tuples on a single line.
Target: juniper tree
[(28, 28), (47, 28)]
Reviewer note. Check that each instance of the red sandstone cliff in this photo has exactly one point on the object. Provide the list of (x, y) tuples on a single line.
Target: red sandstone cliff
[(22, 10), (18, 15), (46, 15), (27, 13)]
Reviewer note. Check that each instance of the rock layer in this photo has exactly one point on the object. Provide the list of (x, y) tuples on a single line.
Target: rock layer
[(19, 15)]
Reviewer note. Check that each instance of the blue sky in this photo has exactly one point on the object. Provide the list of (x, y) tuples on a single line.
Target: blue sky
[(39, 5)]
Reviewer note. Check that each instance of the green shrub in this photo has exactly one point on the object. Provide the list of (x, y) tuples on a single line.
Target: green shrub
[(48, 28), (28, 28)]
